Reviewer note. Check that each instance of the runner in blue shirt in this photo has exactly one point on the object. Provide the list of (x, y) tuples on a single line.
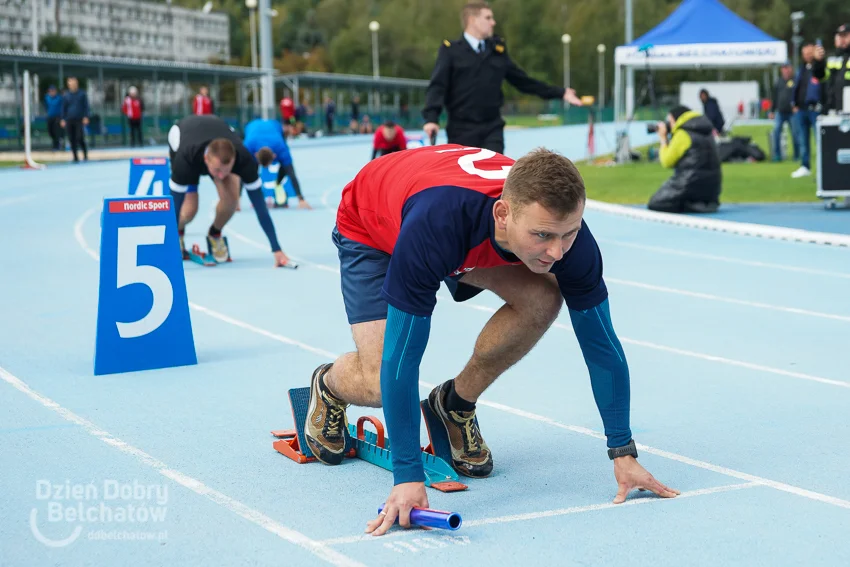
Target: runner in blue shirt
[(264, 139)]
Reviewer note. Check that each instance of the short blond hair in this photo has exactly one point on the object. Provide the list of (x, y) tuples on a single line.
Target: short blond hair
[(223, 149), (545, 177), (471, 10)]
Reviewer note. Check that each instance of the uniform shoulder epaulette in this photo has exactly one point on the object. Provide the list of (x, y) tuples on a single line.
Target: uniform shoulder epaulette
[(447, 43), (498, 44)]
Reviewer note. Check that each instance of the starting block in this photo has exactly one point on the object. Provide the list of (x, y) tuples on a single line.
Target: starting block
[(207, 259), (373, 447)]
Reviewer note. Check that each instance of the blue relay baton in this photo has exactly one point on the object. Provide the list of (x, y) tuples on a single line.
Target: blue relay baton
[(428, 518)]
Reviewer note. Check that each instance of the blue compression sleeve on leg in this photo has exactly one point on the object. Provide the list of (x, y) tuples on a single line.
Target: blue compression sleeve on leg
[(405, 339), (609, 371), (262, 211)]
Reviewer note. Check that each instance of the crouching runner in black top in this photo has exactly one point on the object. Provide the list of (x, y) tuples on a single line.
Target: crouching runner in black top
[(206, 145)]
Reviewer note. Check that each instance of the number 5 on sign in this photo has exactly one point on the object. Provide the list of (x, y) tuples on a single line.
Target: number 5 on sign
[(143, 310)]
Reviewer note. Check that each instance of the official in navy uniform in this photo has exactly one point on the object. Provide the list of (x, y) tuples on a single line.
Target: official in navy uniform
[(467, 80), (834, 71)]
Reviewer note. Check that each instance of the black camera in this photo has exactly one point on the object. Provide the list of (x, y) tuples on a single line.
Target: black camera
[(652, 128)]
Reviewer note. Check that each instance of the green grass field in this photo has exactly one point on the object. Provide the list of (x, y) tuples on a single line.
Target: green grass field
[(742, 182), (532, 121)]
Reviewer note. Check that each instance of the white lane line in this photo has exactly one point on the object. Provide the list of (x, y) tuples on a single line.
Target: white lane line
[(301, 261), (325, 203), (320, 550), (13, 200), (805, 493), (78, 232), (718, 298), (694, 294), (248, 327), (721, 299), (725, 259), (729, 361), (635, 342), (362, 538)]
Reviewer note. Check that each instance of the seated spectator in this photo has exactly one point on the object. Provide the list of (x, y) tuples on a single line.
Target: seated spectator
[(389, 138), (366, 125), (696, 182), (712, 111)]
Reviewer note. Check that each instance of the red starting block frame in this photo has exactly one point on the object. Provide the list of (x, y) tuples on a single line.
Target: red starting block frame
[(373, 447)]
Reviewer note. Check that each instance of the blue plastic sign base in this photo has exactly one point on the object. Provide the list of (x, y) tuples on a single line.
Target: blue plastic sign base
[(143, 309), (269, 177), (149, 176)]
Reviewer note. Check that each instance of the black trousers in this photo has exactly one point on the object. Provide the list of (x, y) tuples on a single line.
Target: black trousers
[(487, 135), (55, 131), (290, 171), (77, 137), (135, 130)]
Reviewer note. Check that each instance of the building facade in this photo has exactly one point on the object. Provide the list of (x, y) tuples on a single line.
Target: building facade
[(117, 28), (120, 28)]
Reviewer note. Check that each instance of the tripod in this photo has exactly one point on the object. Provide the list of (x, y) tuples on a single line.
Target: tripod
[(624, 151)]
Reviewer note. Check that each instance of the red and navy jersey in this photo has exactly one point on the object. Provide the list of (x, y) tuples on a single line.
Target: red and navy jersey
[(380, 141), (287, 108), (431, 209), (202, 105), (132, 108)]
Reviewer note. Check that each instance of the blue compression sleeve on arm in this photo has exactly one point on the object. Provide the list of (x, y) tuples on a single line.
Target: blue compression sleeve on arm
[(259, 204), (609, 371), (405, 339)]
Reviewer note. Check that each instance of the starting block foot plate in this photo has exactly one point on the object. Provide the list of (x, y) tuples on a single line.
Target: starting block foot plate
[(373, 447), (199, 257), (293, 442)]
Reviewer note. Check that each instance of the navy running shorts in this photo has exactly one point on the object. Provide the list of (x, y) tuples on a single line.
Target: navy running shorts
[(362, 271)]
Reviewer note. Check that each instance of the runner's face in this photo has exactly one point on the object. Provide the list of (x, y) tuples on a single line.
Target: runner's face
[(540, 238), (217, 169)]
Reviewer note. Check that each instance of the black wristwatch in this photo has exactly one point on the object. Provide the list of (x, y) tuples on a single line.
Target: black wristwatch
[(629, 449)]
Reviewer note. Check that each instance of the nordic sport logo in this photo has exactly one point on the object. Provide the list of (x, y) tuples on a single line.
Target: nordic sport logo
[(66, 509)]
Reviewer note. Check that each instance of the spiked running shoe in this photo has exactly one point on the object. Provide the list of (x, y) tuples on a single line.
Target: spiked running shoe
[(470, 454), (326, 421), (218, 248)]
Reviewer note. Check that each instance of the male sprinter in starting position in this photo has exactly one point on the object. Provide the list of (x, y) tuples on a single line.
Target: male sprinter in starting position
[(206, 145), (475, 220), (389, 138), (264, 139)]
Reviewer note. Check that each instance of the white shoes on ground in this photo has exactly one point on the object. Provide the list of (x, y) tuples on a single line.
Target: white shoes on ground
[(801, 171)]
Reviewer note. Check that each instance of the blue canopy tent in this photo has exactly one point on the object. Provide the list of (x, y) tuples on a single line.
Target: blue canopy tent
[(698, 34)]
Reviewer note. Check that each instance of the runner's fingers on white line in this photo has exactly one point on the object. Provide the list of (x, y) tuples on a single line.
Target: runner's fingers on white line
[(656, 487), (384, 521), (660, 489)]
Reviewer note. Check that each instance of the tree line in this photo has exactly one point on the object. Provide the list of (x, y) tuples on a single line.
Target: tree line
[(334, 36)]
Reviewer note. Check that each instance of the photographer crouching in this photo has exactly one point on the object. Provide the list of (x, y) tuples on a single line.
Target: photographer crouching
[(691, 150)]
